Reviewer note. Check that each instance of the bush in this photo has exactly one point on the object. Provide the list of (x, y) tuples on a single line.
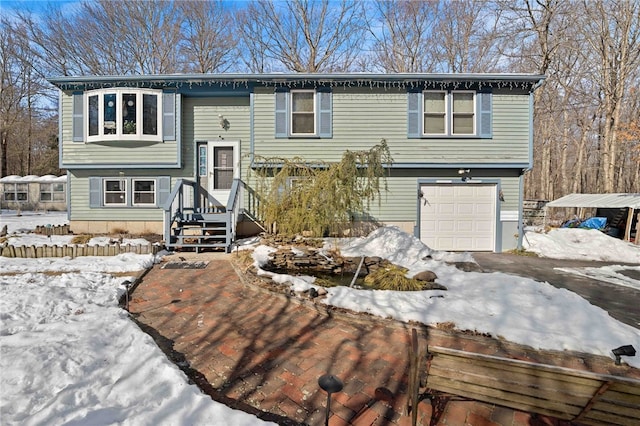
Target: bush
[(392, 277)]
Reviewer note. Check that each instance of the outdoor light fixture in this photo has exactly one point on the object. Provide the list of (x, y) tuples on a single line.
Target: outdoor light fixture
[(330, 384), (626, 350), (464, 173), (224, 123)]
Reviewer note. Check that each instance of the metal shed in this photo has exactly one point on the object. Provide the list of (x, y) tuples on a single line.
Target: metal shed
[(628, 201)]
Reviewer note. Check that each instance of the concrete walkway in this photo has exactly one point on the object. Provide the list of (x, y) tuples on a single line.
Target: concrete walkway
[(262, 351)]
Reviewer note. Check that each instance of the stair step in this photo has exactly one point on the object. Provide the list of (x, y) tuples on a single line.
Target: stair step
[(180, 229)]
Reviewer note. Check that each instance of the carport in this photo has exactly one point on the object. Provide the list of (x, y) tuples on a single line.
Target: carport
[(626, 203)]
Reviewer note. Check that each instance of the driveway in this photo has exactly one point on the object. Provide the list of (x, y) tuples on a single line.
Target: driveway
[(622, 303)]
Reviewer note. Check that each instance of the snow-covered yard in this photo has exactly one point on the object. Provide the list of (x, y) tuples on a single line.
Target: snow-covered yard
[(70, 355)]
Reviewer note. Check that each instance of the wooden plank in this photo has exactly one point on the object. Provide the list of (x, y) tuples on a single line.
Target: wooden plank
[(607, 407), (626, 388), (519, 402), (577, 395), (507, 363), (627, 228), (598, 418), (507, 369)]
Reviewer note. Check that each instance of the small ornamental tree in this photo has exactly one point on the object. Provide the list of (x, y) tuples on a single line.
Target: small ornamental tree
[(298, 197)]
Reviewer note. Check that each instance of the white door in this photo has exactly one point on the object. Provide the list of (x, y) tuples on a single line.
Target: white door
[(223, 166), (458, 217)]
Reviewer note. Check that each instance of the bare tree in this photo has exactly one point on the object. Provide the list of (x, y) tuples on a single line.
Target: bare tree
[(106, 37), (612, 31), (466, 36), (402, 32), (300, 35), (208, 36)]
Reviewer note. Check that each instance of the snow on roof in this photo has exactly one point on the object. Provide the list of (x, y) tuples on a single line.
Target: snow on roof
[(620, 200), (33, 178)]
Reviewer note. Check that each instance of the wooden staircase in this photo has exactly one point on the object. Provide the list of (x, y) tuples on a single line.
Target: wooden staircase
[(201, 231), (199, 228)]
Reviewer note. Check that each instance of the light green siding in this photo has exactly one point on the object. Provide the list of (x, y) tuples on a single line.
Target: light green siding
[(511, 192), (201, 122), (110, 153), (362, 117), (79, 202)]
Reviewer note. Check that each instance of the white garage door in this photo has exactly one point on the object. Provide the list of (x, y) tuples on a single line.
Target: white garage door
[(458, 217)]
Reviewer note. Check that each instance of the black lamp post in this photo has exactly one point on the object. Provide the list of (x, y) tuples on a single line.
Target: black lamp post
[(330, 384), (626, 350)]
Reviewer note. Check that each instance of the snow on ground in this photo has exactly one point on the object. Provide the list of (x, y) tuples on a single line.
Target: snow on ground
[(580, 244), (69, 355), (27, 221)]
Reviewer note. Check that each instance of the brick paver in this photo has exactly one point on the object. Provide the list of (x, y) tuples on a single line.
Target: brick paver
[(263, 352)]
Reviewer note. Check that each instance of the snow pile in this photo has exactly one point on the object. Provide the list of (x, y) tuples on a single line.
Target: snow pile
[(581, 244)]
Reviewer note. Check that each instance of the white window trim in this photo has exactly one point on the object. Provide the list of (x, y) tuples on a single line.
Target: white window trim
[(448, 119), (474, 118), (291, 112), (446, 113), (202, 156), (15, 192), (133, 192), (52, 192), (119, 135), (104, 193)]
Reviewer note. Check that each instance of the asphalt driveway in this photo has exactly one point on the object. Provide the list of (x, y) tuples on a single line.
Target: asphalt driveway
[(622, 303)]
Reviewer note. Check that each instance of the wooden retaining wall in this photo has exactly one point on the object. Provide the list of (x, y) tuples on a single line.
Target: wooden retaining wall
[(74, 250), (53, 230), (580, 396)]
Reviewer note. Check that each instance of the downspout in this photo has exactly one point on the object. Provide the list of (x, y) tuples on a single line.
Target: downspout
[(251, 130), (530, 166)]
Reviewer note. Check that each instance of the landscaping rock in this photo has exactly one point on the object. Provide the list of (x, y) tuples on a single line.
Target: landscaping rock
[(428, 276)]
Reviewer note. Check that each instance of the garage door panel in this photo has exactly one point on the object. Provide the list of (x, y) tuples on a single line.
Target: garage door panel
[(484, 209), (446, 226), (458, 217), (446, 208), (465, 209)]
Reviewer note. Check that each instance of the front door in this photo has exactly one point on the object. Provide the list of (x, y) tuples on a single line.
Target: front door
[(223, 165)]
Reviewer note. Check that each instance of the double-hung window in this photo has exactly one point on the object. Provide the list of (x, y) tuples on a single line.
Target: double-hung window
[(123, 114), (16, 192), (435, 113), (52, 192), (128, 192), (449, 114), (144, 192), (303, 113), (115, 192)]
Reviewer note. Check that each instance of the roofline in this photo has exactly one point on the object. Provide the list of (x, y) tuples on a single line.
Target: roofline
[(275, 78)]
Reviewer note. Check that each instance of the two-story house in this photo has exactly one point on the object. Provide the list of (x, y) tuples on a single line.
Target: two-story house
[(170, 153)]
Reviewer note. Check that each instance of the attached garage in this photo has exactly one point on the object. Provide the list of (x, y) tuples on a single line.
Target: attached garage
[(458, 216)]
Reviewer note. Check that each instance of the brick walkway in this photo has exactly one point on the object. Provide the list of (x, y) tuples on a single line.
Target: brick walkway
[(263, 352)]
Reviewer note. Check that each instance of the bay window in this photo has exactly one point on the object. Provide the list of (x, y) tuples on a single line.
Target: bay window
[(123, 114)]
